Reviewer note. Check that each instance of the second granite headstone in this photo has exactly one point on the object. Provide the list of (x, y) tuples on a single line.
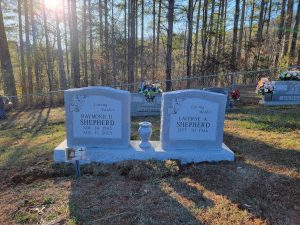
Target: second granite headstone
[(194, 120)]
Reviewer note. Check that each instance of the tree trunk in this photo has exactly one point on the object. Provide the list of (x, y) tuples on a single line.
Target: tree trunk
[(71, 81), (158, 34), (85, 66), (211, 27), (28, 52), (217, 30), (260, 22), (280, 32), (153, 41), (23, 73), (288, 26), (60, 58), (124, 74), (224, 28), (35, 50), (195, 61), (142, 42), (113, 45), (235, 31), (48, 55), (251, 19), (170, 18), (220, 42), (204, 34), (101, 43), (241, 30), (66, 44), (129, 55), (91, 45), (189, 43), (269, 16), (5, 60), (136, 39), (74, 47), (106, 47), (295, 32), (131, 41)]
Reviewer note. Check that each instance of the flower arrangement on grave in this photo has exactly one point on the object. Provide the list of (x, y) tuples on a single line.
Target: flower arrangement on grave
[(235, 95), (264, 86), (290, 75), (149, 90)]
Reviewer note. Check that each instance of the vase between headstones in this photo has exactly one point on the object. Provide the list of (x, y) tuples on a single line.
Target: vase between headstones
[(145, 131)]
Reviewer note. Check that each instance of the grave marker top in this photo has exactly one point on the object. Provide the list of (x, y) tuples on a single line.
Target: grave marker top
[(97, 117), (192, 119)]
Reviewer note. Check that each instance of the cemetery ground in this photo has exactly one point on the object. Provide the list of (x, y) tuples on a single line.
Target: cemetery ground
[(261, 187)]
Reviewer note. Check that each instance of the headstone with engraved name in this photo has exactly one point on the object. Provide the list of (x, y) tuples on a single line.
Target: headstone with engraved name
[(97, 116), (140, 106), (194, 120), (285, 93)]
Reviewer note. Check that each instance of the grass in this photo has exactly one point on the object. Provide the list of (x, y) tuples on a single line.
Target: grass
[(261, 187)]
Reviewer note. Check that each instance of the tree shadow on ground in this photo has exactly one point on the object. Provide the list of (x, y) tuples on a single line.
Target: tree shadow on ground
[(37, 119), (11, 119), (261, 186), (264, 180), (124, 193), (41, 122)]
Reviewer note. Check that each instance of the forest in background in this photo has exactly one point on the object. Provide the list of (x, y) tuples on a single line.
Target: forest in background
[(50, 45)]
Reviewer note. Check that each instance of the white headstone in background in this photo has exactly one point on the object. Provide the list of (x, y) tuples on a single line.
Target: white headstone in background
[(141, 107), (193, 119), (97, 116)]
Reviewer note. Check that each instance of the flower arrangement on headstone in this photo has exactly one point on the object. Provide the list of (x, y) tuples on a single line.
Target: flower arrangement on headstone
[(265, 87), (290, 75), (149, 90)]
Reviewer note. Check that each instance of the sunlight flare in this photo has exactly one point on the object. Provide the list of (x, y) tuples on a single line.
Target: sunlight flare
[(52, 4)]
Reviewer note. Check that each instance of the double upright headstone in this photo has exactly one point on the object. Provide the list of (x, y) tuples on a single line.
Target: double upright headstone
[(98, 119)]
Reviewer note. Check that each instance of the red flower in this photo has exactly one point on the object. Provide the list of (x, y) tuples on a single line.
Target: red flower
[(235, 94)]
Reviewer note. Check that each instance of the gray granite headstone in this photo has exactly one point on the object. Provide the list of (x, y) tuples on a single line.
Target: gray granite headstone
[(141, 107), (224, 91), (193, 119), (97, 117), (285, 93)]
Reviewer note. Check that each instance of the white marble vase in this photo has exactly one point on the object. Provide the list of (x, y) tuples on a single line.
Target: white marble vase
[(145, 131)]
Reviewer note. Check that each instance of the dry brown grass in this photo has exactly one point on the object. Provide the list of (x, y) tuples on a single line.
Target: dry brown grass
[(261, 187)]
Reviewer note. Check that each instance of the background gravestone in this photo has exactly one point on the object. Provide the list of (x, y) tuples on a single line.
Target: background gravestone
[(285, 93), (97, 116), (141, 107), (224, 91), (193, 119)]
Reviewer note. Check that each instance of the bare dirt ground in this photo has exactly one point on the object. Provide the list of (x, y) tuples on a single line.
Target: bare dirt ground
[(261, 187)]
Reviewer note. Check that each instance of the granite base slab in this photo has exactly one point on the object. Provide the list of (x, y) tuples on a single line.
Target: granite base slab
[(278, 103), (134, 152)]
